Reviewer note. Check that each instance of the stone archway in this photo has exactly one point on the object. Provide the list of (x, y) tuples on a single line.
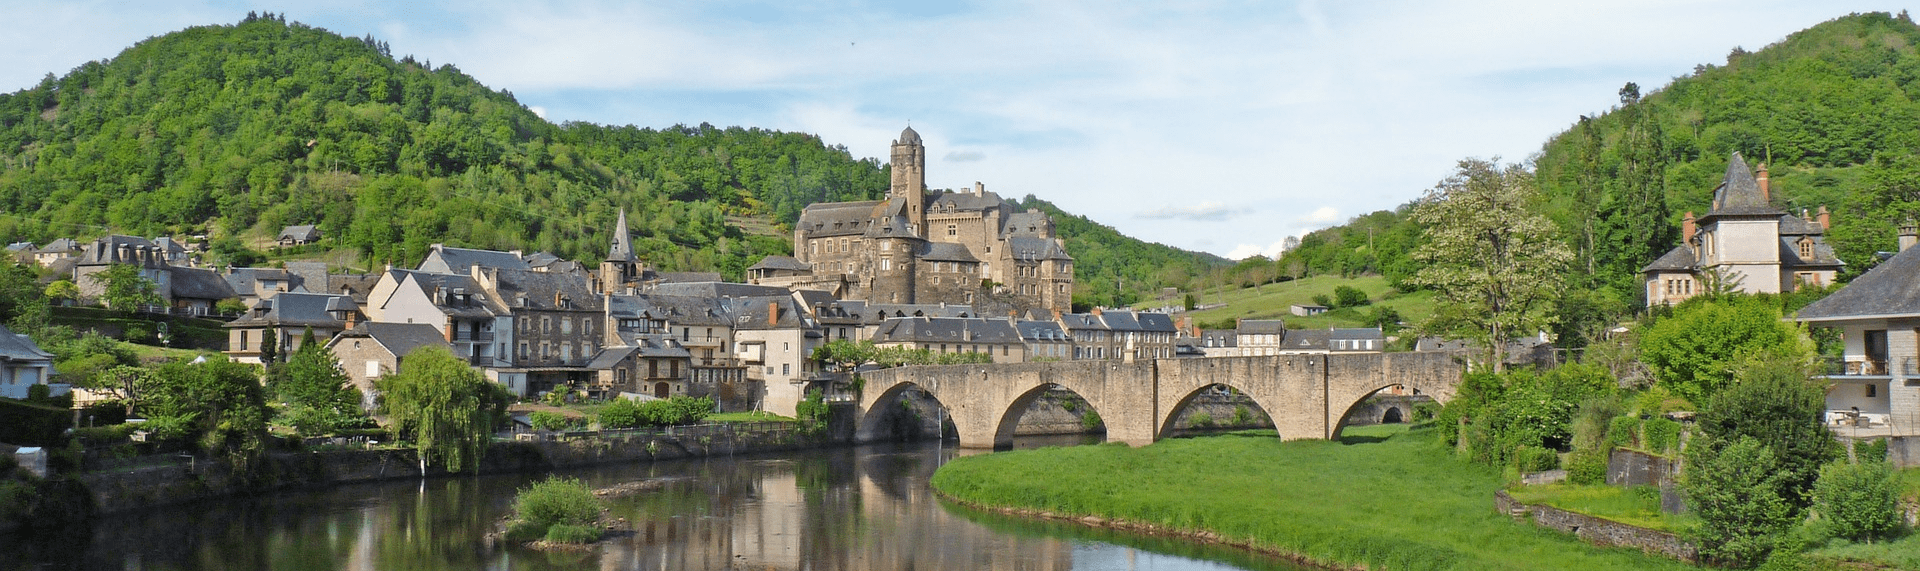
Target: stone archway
[(1392, 416)]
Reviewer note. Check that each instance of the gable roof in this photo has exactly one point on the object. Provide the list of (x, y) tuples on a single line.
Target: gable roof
[(303, 233), (946, 330), (19, 347), (400, 339), (1030, 248), (1679, 259), (778, 262), (446, 260), (1033, 331), (947, 252), (543, 290), (294, 309), (1891, 289), (197, 283), (1253, 326), (826, 219)]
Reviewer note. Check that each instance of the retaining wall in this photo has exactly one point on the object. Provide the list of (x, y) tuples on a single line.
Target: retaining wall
[(1598, 531)]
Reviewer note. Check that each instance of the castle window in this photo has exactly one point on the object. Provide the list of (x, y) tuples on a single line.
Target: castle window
[(952, 229), (886, 264), (1806, 249)]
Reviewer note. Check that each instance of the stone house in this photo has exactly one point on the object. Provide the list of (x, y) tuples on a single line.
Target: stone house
[(1746, 241), (655, 364), (1257, 337), (253, 284), (944, 335), (1092, 339), (476, 326), (56, 250), (1877, 380), (23, 364), (297, 235), (702, 326), (919, 246), (558, 325), (1219, 342), (371, 350), (285, 319), (442, 259), (185, 290), (775, 339), (1045, 340)]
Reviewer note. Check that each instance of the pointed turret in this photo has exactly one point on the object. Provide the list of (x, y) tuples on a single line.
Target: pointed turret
[(622, 250), (1740, 193)]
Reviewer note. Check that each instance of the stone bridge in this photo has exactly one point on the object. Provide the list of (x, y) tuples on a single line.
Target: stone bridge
[(1308, 396)]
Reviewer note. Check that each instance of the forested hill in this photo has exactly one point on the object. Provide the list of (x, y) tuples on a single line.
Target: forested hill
[(238, 130), (1834, 110), (1113, 269)]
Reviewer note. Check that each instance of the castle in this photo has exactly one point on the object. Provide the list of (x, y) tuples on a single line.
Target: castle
[(921, 247)]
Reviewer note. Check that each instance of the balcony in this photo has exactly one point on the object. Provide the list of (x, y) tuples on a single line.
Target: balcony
[(473, 336), (481, 361), (1860, 367)]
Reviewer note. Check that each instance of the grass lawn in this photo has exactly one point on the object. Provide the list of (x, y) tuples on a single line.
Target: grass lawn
[(1275, 301), (1637, 506), (1388, 499), (748, 416)]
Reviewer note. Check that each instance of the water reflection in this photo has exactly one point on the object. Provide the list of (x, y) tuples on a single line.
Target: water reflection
[(842, 509)]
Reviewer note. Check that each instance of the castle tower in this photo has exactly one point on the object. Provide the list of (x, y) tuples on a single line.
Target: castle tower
[(910, 178)]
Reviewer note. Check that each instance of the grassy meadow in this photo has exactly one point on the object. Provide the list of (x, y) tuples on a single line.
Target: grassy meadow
[(1275, 300), (1385, 498)]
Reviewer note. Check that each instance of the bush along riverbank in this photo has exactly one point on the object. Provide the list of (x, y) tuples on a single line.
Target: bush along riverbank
[(1383, 498)]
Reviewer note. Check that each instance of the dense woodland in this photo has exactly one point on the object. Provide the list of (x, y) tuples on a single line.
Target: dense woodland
[(1834, 111), (235, 131)]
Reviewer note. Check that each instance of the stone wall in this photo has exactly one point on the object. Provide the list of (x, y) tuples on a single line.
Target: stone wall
[(1634, 468), (1598, 531), (1375, 410)]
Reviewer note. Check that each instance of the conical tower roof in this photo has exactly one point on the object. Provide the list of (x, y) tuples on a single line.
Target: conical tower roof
[(1739, 193), (622, 250)]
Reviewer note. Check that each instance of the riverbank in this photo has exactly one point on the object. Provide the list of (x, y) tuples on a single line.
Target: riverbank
[(1384, 497)]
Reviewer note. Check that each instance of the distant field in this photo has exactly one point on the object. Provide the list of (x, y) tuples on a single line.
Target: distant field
[(1274, 301)]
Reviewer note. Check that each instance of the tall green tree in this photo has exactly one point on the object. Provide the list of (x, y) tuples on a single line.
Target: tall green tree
[(126, 290), (1493, 263), (221, 400), (445, 407), (320, 399), (1735, 489), (1634, 218)]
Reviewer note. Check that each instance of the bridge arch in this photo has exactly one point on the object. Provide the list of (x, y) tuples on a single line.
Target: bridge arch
[(1170, 425)]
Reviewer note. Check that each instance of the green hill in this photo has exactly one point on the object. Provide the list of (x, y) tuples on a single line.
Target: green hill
[(1832, 109), (238, 130)]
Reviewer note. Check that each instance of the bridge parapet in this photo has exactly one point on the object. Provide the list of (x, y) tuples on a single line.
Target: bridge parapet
[(1308, 396)]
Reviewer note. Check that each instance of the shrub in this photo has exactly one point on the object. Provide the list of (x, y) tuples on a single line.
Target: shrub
[(1623, 431), (1242, 416), (553, 502), (1587, 468), (621, 413), (1660, 435), (544, 420), (524, 531), (564, 533), (1200, 420), (1425, 411), (1859, 502), (1090, 420), (1536, 459), (1349, 296), (1870, 451)]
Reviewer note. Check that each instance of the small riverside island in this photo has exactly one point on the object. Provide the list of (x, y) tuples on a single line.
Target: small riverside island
[(1381, 497)]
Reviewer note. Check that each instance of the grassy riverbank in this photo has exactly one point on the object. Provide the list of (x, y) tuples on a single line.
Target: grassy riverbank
[(1386, 498)]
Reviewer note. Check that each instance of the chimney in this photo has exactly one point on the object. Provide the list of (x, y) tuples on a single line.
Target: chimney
[(1687, 229), (979, 189), (1765, 193), (1909, 235), (773, 313), (1825, 221)]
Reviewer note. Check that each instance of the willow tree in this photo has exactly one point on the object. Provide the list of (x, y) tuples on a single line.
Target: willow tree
[(1491, 261), (446, 407)]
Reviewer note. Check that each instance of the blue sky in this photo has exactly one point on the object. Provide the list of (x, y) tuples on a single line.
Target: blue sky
[(1215, 126)]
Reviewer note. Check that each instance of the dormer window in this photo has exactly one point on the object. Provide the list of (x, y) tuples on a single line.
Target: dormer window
[(1806, 248)]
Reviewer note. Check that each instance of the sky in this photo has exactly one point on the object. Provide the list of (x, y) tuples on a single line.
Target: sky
[(1222, 127)]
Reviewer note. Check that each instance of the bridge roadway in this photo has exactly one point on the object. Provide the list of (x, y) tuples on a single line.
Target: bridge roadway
[(1308, 396)]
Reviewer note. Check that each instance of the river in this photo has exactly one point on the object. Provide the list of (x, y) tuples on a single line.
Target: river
[(855, 508)]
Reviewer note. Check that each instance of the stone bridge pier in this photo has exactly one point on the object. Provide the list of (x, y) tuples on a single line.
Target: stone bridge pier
[(1308, 396)]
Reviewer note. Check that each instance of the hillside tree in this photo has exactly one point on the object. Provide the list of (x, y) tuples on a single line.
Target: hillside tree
[(1492, 263)]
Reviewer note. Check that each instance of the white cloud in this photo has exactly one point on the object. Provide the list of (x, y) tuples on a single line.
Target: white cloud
[(1203, 212), (538, 111)]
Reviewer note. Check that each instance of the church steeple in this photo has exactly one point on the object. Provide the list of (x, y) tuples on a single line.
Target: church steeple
[(622, 250)]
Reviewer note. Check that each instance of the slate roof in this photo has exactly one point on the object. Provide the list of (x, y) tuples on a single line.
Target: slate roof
[(1121, 321), (432, 284), (1028, 223), (881, 311), (248, 279), (291, 309), (686, 277), (400, 339), (15, 347), (60, 246), (1356, 333), (1306, 340), (106, 250), (751, 313), (20, 247), (660, 346), (1157, 322), (1796, 225), (302, 233), (1041, 332), (1888, 290), (198, 283), (446, 260), (310, 275), (908, 137), (357, 286), (714, 289), (822, 220), (781, 263), (1032, 249), (947, 252), (890, 221), (946, 330), (544, 290), (1823, 254), (1679, 259), (965, 201), (1260, 326), (1739, 193), (1082, 322), (1212, 338), (622, 248)]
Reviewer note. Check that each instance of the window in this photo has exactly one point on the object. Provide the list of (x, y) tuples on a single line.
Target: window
[(243, 340), (886, 246), (546, 324), (373, 369), (566, 326), (673, 369), (1806, 249), (653, 368), (566, 351), (523, 349), (786, 369), (1873, 390), (953, 229), (886, 264)]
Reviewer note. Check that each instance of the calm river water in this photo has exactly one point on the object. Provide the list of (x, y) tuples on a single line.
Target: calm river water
[(864, 508)]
